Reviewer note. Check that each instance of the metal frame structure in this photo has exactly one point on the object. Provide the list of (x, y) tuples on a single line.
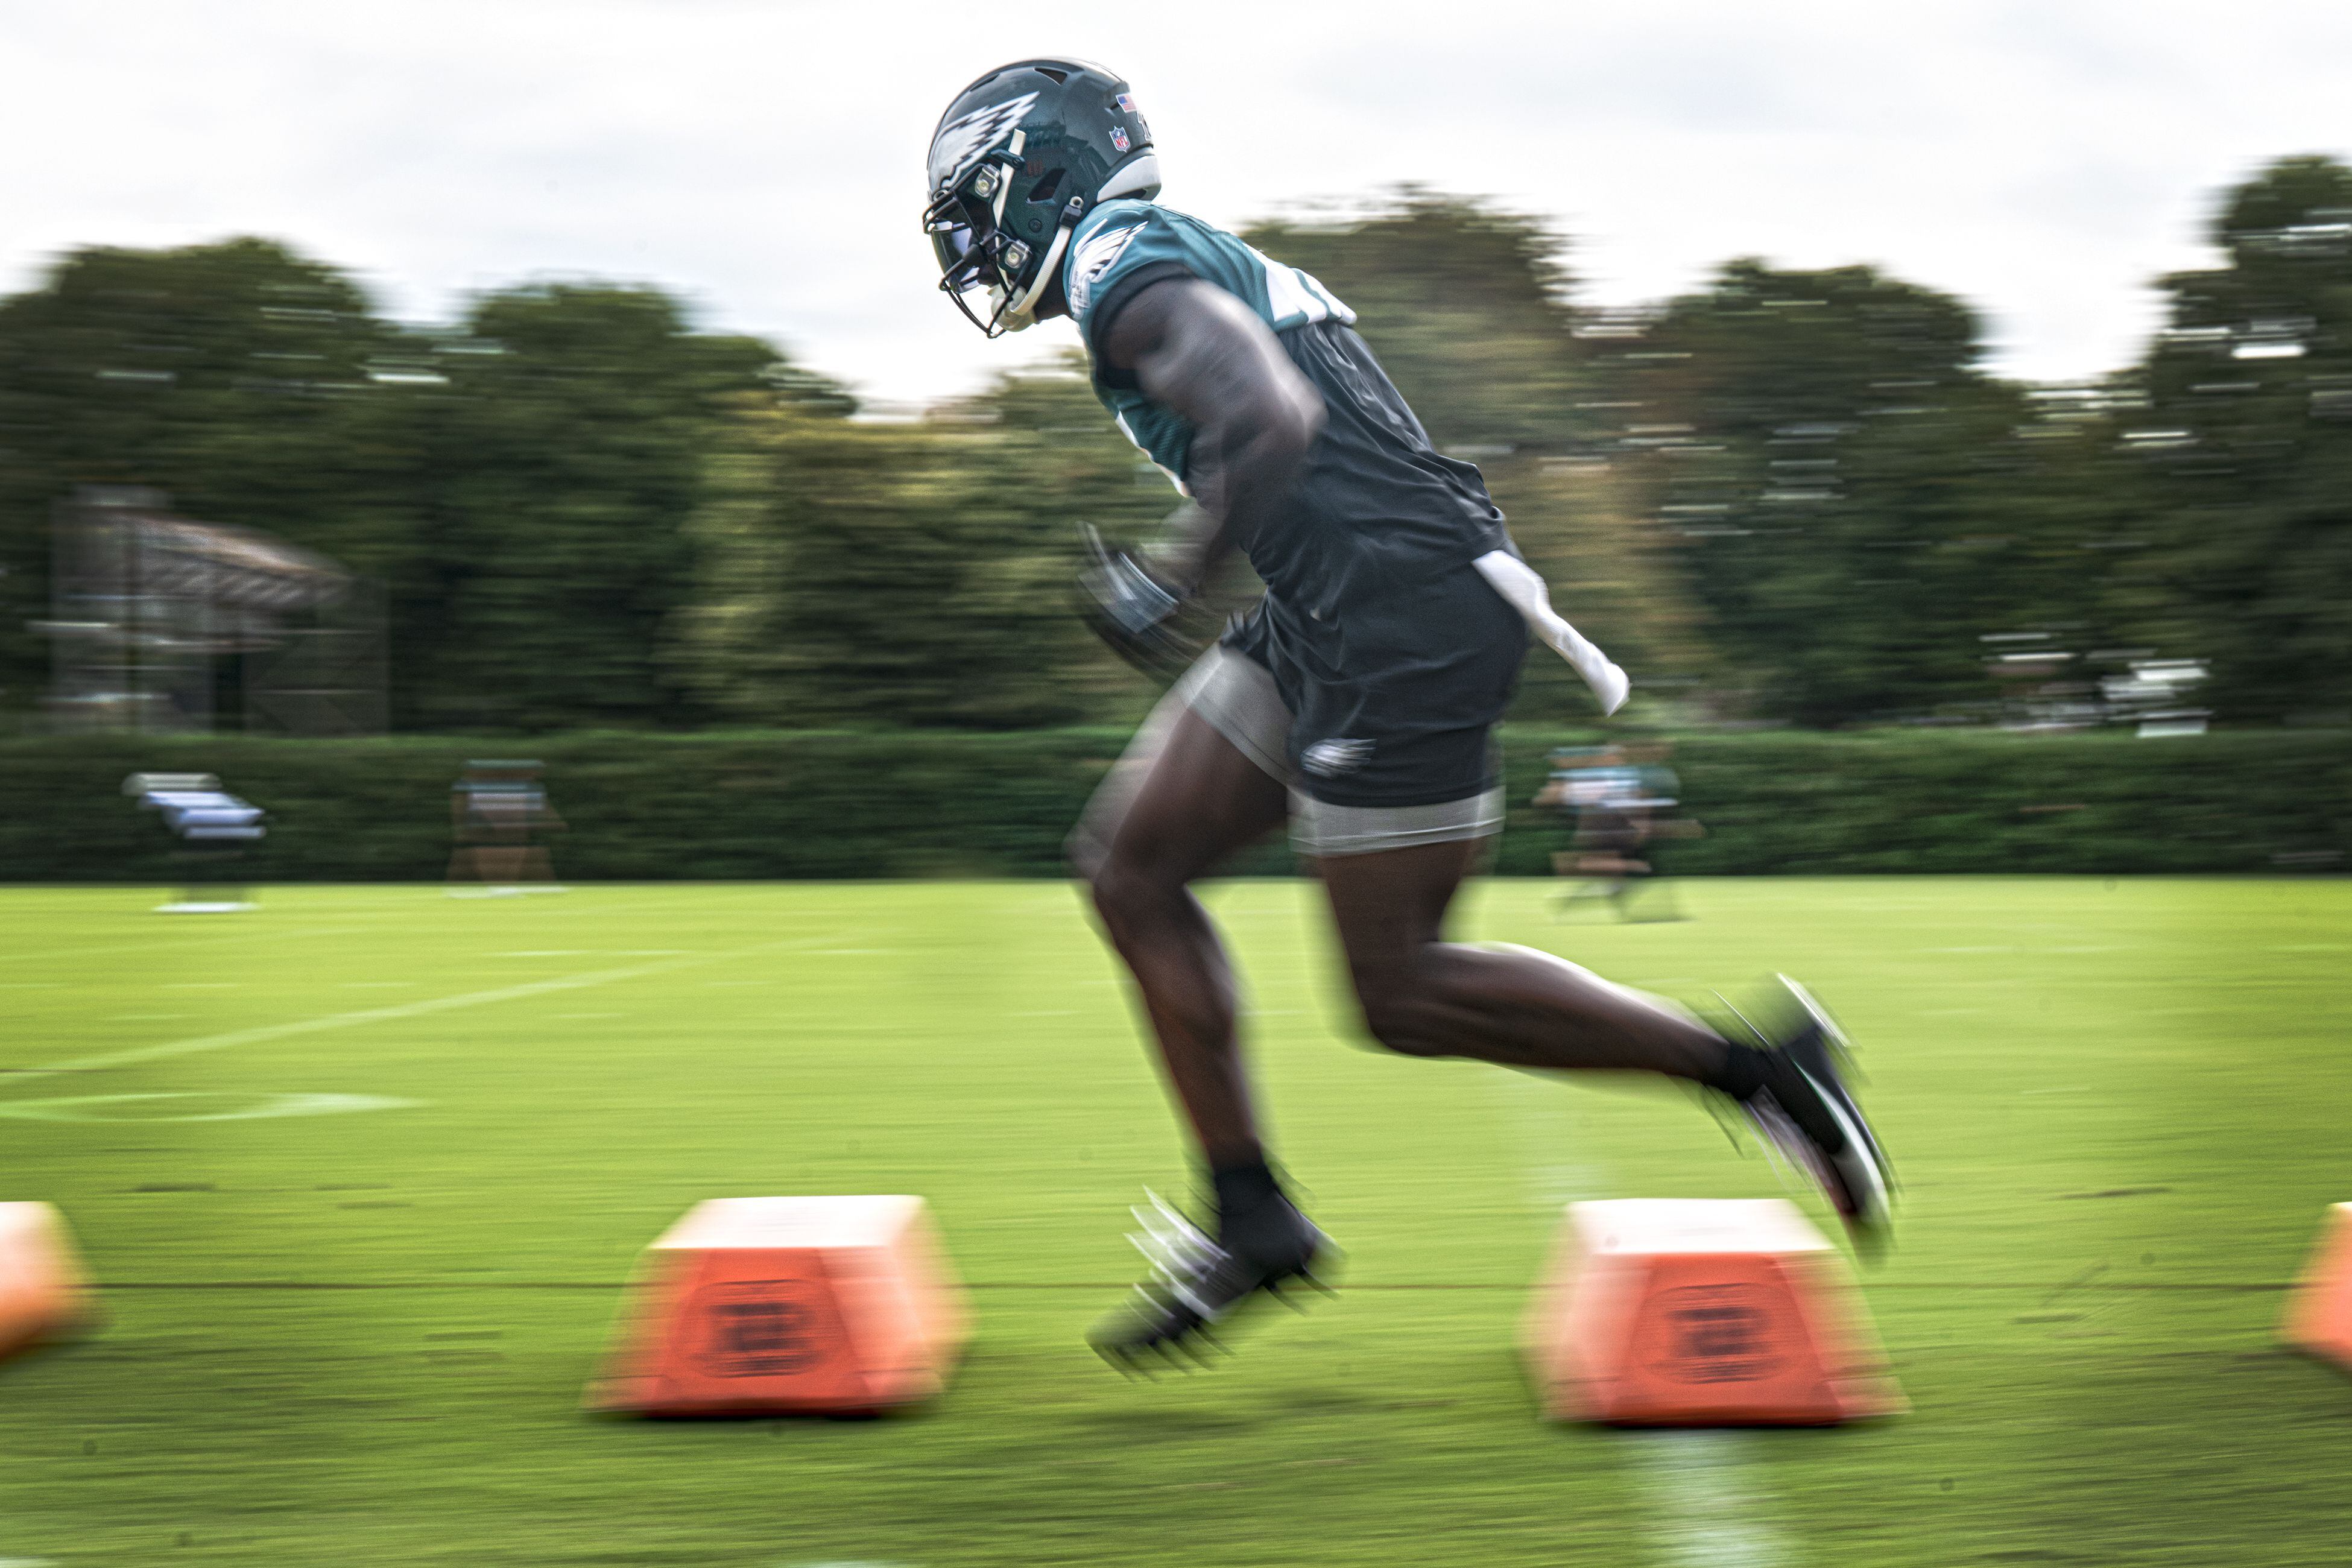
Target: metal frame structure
[(146, 606)]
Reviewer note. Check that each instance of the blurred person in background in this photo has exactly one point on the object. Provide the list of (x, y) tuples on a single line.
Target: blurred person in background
[(1356, 701), (1622, 802)]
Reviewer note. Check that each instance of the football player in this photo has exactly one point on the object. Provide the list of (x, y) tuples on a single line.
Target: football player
[(1356, 701)]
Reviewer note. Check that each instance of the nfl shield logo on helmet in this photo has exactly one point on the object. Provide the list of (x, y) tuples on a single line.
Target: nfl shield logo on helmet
[(1119, 137)]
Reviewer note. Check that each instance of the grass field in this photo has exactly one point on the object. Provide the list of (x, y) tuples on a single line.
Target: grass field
[(359, 1334)]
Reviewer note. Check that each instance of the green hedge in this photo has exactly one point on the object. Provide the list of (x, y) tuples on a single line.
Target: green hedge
[(924, 804)]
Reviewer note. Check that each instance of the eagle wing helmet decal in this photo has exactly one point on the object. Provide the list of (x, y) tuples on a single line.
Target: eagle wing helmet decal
[(960, 146)]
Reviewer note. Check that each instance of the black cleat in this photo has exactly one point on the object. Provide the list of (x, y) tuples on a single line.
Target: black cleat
[(1197, 1284), (1808, 1115)]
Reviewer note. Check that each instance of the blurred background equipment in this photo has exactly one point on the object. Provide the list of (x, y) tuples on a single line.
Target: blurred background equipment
[(788, 1307), (212, 830), (161, 623), (44, 1293), (1703, 1312), (497, 811)]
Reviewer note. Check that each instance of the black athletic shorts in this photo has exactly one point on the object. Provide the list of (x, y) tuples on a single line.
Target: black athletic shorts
[(1393, 696)]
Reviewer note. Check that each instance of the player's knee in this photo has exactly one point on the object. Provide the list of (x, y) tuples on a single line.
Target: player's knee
[(1401, 1015), (1126, 890), (1110, 887)]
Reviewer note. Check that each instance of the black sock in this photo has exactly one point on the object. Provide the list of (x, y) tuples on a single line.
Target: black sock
[(1243, 1187), (1249, 1203), (1744, 1070)]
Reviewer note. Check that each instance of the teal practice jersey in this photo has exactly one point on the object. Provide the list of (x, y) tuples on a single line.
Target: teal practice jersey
[(1377, 507), (1123, 244)]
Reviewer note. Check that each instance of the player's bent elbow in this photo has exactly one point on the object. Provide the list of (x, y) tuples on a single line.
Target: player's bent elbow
[(1289, 420), (1268, 447), (1297, 439)]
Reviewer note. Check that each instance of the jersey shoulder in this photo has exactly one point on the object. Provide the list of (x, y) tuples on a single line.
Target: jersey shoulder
[(1123, 244)]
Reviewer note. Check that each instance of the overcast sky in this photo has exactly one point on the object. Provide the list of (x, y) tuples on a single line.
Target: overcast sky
[(2041, 159)]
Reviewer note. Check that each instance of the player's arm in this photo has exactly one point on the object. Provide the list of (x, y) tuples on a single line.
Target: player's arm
[(1201, 353)]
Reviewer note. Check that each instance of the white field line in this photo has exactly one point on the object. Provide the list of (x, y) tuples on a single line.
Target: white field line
[(1700, 1483), (207, 942), (165, 1049), (1702, 1506), (1544, 1112), (335, 920)]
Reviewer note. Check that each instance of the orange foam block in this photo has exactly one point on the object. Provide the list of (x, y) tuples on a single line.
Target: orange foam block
[(43, 1294), (2319, 1312), (1689, 1312), (787, 1305)]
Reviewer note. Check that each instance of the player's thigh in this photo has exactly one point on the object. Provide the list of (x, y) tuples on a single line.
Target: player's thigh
[(1201, 799), (1205, 777), (1389, 906)]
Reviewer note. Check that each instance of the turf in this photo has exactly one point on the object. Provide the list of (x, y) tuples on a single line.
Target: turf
[(2118, 1108)]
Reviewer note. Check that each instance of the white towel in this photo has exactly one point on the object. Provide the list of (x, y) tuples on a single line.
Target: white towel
[(1526, 593)]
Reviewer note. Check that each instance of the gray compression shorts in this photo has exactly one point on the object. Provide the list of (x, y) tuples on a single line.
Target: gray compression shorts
[(1234, 695)]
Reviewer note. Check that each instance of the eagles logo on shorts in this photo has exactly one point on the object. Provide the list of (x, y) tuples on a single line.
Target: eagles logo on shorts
[(1330, 759)]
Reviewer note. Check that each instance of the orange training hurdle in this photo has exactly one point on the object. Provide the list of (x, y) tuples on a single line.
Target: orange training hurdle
[(43, 1292), (1686, 1312), (2320, 1313), (786, 1305)]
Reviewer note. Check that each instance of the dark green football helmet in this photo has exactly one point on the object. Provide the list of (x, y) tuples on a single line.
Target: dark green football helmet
[(1020, 156)]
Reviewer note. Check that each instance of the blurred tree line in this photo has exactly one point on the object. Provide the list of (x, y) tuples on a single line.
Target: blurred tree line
[(1786, 495)]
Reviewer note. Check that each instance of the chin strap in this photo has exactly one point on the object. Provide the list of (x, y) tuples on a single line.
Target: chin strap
[(1017, 313)]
